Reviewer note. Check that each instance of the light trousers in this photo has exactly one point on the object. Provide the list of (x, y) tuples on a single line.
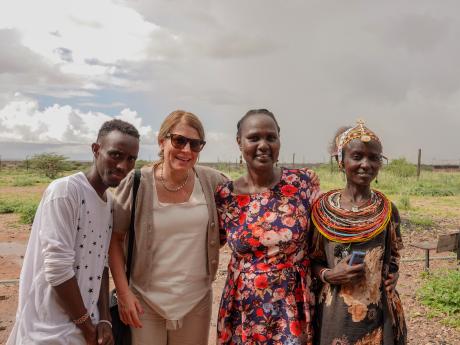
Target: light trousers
[(194, 330)]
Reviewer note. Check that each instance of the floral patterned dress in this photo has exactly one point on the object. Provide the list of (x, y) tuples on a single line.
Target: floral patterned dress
[(266, 298)]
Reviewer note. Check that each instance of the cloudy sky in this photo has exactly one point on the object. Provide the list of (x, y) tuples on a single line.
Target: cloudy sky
[(68, 66)]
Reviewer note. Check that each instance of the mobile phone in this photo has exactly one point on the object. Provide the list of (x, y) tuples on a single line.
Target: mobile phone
[(356, 258)]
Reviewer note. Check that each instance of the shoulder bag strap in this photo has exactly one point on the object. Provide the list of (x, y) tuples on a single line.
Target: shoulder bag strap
[(137, 178)]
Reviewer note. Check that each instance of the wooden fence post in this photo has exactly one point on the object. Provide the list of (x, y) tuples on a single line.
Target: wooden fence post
[(458, 249), (419, 163)]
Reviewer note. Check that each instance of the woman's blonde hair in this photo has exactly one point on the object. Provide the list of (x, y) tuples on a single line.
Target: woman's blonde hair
[(173, 119)]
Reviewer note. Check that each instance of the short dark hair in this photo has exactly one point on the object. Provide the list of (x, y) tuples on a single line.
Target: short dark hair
[(255, 112), (117, 125)]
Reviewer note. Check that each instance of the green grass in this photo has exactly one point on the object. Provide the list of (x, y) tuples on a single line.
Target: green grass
[(21, 178), (404, 203), (439, 188), (413, 220), (441, 293), (420, 220), (439, 184), (430, 183), (26, 208)]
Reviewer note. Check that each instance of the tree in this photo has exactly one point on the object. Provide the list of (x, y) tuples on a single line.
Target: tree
[(49, 164)]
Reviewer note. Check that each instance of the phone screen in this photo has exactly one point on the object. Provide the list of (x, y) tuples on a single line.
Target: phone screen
[(356, 258)]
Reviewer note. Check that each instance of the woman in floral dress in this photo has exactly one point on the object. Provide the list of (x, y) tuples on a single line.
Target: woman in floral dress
[(264, 216), (358, 303)]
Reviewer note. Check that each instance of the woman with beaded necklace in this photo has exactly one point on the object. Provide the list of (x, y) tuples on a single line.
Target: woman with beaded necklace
[(176, 251), (358, 303)]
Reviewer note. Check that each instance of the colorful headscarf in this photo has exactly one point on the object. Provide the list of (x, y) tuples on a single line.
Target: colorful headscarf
[(358, 132)]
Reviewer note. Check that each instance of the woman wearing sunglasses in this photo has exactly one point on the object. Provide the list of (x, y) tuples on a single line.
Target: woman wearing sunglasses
[(176, 252)]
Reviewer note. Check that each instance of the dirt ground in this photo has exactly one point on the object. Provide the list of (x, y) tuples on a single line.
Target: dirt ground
[(422, 329)]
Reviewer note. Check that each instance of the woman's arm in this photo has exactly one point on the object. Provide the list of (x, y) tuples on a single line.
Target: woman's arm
[(342, 273), (395, 246), (128, 305), (219, 197)]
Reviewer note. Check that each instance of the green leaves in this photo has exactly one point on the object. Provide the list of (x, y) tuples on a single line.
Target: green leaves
[(441, 292)]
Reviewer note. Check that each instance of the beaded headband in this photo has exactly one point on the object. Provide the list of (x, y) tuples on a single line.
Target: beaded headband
[(360, 132)]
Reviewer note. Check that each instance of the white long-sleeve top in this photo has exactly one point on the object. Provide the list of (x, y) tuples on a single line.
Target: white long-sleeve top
[(70, 237)]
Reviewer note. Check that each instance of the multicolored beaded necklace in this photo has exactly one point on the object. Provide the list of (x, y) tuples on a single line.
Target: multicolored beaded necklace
[(346, 226)]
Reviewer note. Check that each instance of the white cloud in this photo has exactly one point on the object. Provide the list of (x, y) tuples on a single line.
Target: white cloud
[(316, 65), (56, 39), (21, 120), (101, 29)]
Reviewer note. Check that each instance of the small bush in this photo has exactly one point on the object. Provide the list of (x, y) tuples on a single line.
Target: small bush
[(26, 209), (9, 206), (441, 292), (404, 202), (49, 164), (402, 168), (425, 188), (421, 221), (23, 181), (27, 212)]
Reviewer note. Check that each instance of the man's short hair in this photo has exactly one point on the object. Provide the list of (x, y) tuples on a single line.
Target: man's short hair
[(117, 125)]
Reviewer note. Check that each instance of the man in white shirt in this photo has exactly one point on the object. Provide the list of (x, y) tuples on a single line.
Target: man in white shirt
[(63, 290)]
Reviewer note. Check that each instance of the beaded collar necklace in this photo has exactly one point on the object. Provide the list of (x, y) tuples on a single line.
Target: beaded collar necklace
[(356, 208), (347, 226)]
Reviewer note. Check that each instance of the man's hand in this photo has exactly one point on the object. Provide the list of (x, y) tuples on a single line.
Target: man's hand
[(89, 332), (104, 334)]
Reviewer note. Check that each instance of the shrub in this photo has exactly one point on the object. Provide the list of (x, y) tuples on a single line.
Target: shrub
[(49, 164), (430, 188), (441, 292), (26, 209), (27, 212), (402, 168), (421, 221), (23, 181), (7, 206), (404, 202)]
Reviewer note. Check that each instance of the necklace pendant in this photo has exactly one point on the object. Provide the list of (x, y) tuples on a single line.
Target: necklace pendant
[(354, 209)]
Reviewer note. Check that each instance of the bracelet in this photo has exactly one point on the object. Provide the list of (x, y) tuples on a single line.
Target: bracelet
[(322, 273), (81, 319), (105, 321)]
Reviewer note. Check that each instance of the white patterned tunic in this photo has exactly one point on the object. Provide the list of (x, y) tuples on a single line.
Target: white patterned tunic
[(70, 237)]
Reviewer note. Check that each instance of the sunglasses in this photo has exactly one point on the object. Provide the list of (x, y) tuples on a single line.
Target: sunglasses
[(179, 142)]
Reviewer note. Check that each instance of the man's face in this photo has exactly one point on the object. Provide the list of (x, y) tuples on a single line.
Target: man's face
[(115, 155)]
